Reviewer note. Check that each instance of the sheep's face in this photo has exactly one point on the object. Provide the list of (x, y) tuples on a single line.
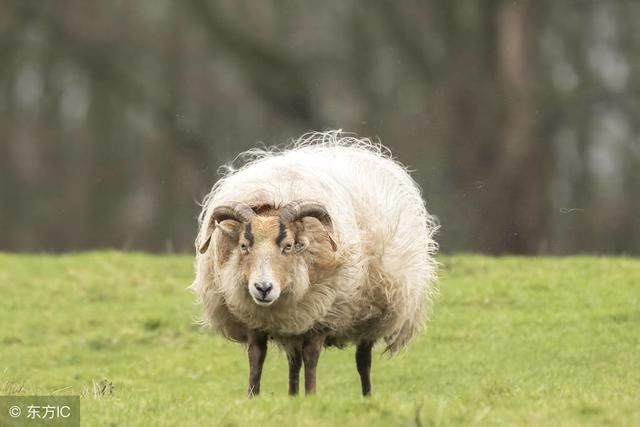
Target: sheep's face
[(276, 261)]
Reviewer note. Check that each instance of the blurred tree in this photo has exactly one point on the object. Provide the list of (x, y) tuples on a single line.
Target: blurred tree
[(520, 118), (519, 177)]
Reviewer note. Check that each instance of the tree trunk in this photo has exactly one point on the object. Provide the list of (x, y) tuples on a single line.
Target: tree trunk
[(518, 179)]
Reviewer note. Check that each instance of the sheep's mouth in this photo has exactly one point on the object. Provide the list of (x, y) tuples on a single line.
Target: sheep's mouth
[(263, 301), (264, 298)]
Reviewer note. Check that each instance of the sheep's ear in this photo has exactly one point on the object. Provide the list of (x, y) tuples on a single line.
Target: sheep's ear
[(316, 231), (204, 239), (231, 229)]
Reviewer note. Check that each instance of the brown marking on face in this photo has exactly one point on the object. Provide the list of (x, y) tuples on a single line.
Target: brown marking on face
[(248, 234), (282, 233), (265, 228), (266, 210)]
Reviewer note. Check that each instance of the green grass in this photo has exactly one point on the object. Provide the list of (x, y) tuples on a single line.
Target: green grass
[(512, 341)]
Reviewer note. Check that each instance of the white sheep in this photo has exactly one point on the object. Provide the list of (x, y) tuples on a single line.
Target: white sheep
[(324, 243)]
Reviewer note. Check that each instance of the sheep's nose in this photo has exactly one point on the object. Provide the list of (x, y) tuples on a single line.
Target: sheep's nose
[(263, 287)]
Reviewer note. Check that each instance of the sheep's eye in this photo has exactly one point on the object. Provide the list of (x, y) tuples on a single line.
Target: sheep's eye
[(244, 248), (287, 248)]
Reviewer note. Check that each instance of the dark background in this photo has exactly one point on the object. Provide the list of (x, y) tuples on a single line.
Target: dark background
[(520, 118)]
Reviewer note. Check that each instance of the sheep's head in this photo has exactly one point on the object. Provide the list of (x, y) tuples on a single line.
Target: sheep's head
[(273, 252)]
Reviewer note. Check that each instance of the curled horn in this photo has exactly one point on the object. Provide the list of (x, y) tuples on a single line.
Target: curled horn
[(240, 212), (295, 211)]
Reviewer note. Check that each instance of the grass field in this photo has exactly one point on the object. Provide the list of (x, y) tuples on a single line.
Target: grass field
[(512, 341)]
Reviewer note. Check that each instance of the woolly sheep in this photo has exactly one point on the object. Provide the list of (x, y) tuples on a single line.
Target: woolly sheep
[(324, 243)]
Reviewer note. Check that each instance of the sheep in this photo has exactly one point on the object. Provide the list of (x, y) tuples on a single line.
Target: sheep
[(324, 243)]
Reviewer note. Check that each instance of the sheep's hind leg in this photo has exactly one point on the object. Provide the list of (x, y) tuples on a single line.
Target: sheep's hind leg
[(311, 346), (363, 363), (295, 363), (257, 353)]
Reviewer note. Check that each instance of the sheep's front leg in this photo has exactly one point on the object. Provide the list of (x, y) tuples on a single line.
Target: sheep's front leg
[(295, 363), (363, 363), (311, 346), (257, 353)]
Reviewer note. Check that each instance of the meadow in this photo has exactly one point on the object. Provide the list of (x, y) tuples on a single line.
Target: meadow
[(511, 342)]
